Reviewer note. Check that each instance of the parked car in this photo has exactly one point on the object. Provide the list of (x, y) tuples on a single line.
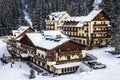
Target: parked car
[(44, 74), (96, 65), (99, 66), (113, 52)]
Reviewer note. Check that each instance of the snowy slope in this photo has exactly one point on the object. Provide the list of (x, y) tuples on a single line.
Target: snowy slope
[(110, 73), (3, 49)]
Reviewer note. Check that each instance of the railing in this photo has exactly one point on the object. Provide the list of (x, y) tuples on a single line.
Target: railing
[(86, 31), (70, 53), (100, 25), (70, 60), (102, 36), (78, 36), (102, 31), (39, 58)]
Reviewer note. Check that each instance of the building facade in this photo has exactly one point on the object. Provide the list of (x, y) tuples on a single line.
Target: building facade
[(50, 53), (92, 30), (54, 19)]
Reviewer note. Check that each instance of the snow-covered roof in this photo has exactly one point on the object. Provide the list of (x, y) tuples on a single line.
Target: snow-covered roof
[(48, 44), (82, 19), (35, 37), (76, 18), (53, 34), (39, 40), (67, 65), (93, 14), (73, 64), (24, 55), (20, 30), (57, 15)]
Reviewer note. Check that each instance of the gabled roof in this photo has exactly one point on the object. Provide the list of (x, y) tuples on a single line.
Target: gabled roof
[(57, 15), (19, 31)]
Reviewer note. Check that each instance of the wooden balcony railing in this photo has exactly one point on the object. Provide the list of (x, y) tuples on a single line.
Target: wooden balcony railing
[(100, 25), (86, 31), (39, 58), (102, 36), (70, 60), (70, 53), (108, 31)]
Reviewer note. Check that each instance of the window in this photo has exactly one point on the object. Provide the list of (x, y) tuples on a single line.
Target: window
[(94, 22), (104, 22), (82, 34), (87, 35), (42, 56), (39, 54), (38, 62), (87, 29), (70, 68), (43, 64), (83, 41), (65, 69), (80, 40), (62, 70), (48, 67), (68, 57)]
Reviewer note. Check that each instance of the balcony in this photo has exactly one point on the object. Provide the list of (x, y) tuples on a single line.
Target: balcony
[(39, 58), (71, 60), (70, 53), (78, 36), (102, 36), (96, 25), (86, 31), (107, 31)]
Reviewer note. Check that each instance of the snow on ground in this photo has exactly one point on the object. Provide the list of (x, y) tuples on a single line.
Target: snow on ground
[(3, 49), (110, 73)]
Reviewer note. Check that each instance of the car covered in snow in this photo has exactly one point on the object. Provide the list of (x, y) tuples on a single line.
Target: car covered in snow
[(96, 65)]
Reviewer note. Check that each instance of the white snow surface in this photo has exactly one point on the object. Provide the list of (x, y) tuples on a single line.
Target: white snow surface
[(112, 71), (35, 37), (53, 33)]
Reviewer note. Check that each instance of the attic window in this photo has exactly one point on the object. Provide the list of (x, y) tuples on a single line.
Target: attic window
[(53, 18)]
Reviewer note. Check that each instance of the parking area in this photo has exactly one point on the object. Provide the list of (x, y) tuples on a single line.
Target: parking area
[(96, 65)]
